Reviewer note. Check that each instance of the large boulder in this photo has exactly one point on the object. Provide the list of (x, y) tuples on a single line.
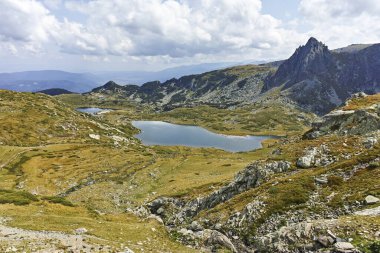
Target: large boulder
[(344, 247), (215, 238), (369, 200)]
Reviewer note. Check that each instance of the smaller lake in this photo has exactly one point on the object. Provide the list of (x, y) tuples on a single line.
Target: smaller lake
[(92, 110), (167, 134)]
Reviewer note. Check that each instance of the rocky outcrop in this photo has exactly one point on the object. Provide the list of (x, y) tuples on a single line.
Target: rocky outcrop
[(319, 80), (358, 122), (176, 213), (316, 156), (252, 176)]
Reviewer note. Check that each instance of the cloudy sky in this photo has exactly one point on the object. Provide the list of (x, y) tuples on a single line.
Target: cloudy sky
[(95, 35)]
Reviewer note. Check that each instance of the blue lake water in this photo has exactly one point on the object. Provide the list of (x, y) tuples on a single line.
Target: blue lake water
[(166, 134), (91, 110)]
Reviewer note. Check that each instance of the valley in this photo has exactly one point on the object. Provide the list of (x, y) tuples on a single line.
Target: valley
[(72, 181)]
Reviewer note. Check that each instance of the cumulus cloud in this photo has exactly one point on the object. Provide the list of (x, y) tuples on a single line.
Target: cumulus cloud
[(178, 30), (149, 28), (340, 22), (24, 20), (181, 28)]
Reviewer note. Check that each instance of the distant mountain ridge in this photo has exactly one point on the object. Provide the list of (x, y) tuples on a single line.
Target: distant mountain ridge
[(314, 78), (55, 91), (47, 79), (84, 82), (221, 88)]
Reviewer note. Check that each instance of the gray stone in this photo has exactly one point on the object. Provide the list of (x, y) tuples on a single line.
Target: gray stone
[(370, 142), (344, 247), (371, 200), (321, 180), (156, 217), (325, 241), (195, 226), (213, 238), (370, 212), (80, 231), (305, 162), (160, 210)]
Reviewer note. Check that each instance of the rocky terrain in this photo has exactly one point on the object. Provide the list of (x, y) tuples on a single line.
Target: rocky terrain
[(317, 214), (314, 78)]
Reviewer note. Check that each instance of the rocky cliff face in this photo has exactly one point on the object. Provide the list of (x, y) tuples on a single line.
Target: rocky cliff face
[(363, 120), (320, 80)]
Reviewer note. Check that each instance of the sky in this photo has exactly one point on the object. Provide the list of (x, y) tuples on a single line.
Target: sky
[(130, 35)]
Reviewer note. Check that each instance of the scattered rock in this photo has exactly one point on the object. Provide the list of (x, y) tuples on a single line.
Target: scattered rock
[(315, 156), (369, 200), (325, 241), (344, 247), (80, 231), (358, 122), (321, 180), (195, 226), (94, 136), (370, 142), (214, 238), (252, 176), (370, 212)]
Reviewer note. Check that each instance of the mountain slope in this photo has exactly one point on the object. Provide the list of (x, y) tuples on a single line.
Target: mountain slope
[(308, 195), (320, 80), (220, 88), (314, 78)]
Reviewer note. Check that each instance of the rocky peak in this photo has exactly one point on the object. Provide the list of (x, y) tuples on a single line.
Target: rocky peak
[(307, 61), (111, 85), (312, 50)]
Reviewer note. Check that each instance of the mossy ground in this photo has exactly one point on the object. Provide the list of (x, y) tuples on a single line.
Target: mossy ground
[(82, 182)]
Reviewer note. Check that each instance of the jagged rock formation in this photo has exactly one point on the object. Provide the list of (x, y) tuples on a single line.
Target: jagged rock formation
[(320, 80)]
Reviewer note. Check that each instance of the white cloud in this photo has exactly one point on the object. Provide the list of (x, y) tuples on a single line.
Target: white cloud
[(180, 28), (25, 20), (342, 22), (178, 31), (53, 4), (162, 30)]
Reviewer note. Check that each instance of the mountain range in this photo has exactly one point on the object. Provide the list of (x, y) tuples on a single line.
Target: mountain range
[(83, 82), (314, 78)]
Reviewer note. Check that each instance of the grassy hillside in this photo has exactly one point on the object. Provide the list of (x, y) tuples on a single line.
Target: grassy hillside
[(79, 181), (62, 180)]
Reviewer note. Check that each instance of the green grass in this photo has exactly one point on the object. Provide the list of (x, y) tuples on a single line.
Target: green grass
[(97, 181), (58, 200), (16, 197)]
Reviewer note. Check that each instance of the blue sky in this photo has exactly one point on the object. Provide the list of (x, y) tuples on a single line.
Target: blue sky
[(103, 35)]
